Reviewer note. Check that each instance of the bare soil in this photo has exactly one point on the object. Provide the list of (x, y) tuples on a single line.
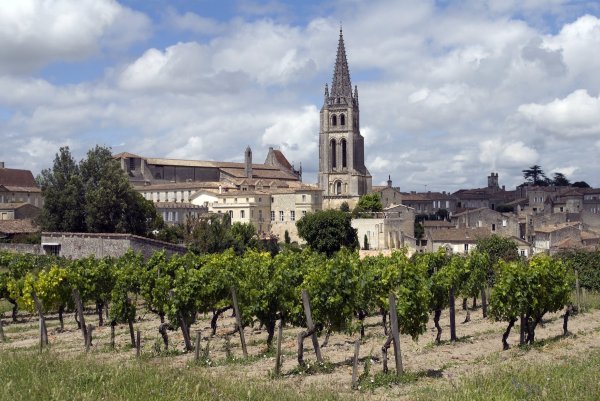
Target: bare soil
[(478, 349)]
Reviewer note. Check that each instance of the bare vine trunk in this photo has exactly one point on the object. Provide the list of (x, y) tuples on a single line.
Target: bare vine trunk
[(301, 336), (384, 319), (99, 309), (483, 303), (216, 314), (452, 315), (162, 329), (505, 345), (61, 310), (436, 322), (132, 333), (384, 353)]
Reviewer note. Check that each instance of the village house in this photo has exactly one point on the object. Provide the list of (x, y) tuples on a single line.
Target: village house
[(391, 229), (502, 224), (454, 240), (19, 186)]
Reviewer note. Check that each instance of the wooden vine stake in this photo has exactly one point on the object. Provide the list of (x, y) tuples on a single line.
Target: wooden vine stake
[(578, 291), (452, 314), (355, 364), (88, 342), (278, 355), (197, 349), (395, 334), (79, 306), (138, 344), (238, 319), (43, 329), (310, 325), (2, 337), (112, 335)]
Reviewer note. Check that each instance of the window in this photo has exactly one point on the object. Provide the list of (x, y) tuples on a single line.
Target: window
[(260, 215), (231, 214), (272, 215), (338, 188), (504, 223), (242, 214), (342, 119), (466, 248), (281, 215), (303, 213), (334, 120), (52, 250), (333, 154), (344, 157), (293, 215), (523, 252), (493, 227), (131, 164), (303, 198)]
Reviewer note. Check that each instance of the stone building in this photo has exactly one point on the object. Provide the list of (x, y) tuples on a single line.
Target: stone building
[(502, 224), (19, 186), (17, 211), (389, 195), (391, 229), (174, 213), (548, 237), (343, 175)]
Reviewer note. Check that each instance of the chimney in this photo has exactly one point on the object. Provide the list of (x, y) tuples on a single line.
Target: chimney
[(248, 160)]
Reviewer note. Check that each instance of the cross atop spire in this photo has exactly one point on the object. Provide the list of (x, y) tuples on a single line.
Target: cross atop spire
[(341, 86)]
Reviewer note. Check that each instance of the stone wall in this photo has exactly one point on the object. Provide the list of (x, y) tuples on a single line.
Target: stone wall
[(80, 245), (21, 248)]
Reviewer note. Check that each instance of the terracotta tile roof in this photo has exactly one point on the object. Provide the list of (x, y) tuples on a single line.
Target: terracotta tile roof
[(176, 205), (412, 197), (281, 159), (11, 188), (12, 206), (556, 227), (23, 226), (126, 155), (182, 185), (458, 234), (589, 235), (16, 178), (259, 172)]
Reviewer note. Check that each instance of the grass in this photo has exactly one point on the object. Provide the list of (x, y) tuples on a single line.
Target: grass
[(30, 376), (572, 379), (5, 306)]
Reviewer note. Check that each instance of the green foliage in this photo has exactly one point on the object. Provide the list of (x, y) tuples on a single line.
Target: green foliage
[(559, 179), (344, 207), (327, 231), (93, 196), (535, 175), (587, 264), (367, 204), (366, 243)]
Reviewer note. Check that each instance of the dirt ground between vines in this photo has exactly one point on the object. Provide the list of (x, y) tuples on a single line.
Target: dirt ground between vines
[(478, 349)]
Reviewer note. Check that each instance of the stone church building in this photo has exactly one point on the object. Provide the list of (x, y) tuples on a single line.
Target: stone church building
[(343, 176)]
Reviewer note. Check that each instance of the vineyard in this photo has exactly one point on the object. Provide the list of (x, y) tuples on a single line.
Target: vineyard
[(300, 317)]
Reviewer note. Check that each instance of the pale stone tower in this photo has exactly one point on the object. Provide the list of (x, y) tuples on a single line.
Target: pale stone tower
[(342, 172)]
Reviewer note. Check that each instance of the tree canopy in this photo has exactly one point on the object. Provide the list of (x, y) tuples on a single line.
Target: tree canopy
[(369, 203), (535, 175), (327, 231), (93, 196)]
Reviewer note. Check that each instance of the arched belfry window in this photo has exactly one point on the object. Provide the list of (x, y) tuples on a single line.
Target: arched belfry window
[(342, 119), (334, 120), (333, 154), (344, 153), (338, 188)]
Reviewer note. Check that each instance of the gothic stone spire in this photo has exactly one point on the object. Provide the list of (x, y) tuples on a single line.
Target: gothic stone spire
[(341, 86)]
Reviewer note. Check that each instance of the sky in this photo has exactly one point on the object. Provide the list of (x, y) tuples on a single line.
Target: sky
[(449, 90)]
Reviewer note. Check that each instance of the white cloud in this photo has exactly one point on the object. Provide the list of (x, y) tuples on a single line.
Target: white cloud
[(34, 33), (577, 115)]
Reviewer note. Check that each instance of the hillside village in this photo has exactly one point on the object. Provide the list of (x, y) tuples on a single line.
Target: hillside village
[(272, 196)]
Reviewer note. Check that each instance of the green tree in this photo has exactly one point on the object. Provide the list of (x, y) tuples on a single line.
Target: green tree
[(344, 207), (327, 231), (63, 195), (535, 175), (368, 203), (559, 179), (580, 184), (93, 196)]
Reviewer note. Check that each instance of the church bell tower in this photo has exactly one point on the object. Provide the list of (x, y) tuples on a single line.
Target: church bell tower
[(342, 171)]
